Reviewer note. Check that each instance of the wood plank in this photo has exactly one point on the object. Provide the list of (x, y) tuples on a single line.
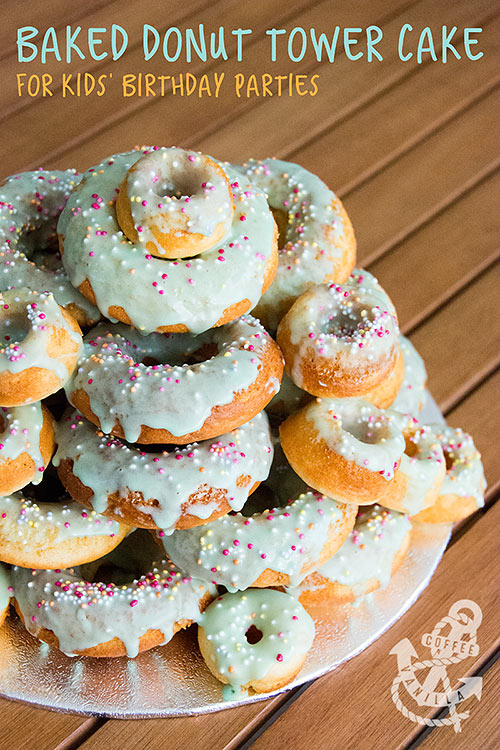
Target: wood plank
[(352, 707), (279, 125), (479, 414), (481, 729), (460, 343), (421, 103), (145, 117), (41, 15), (387, 208), (26, 726), (82, 121), (438, 260), (102, 17), (183, 732)]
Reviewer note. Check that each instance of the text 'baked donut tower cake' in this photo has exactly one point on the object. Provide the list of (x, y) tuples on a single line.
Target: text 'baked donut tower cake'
[(162, 469)]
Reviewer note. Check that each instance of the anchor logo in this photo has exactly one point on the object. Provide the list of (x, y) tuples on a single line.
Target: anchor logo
[(452, 640)]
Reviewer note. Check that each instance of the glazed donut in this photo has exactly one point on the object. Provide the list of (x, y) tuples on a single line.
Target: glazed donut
[(346, 448), (278, 546), (316, 241), (53, 534), (5, 591), (26, 445), (30, 204), (421, 471), (255, 639), (340, 342), (366, 561), (411, 395), (189, 486), (39, 345), (177, 203), (81, 617), (129, 284), (198, 387), (462, 491)]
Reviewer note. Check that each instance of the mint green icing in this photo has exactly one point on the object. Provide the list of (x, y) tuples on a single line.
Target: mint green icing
[(308, 254), (27, 323), (284, 527), (20, 433), (83, 614), (465, 474), (108, 465), (22, 519), (172, 394), (348, 326), (423, 469), (366, 283), (4, 588), (30, 204), (358, 431), (369, 551), (174, 190), (287, 635), (156, 292), (412, 392)]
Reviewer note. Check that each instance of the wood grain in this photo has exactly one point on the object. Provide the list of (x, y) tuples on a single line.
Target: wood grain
[(481, 729), (453, 238), (458, 348), (387, 208)]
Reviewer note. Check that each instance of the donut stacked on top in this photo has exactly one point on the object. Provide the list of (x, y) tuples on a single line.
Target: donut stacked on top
[(174, 501)]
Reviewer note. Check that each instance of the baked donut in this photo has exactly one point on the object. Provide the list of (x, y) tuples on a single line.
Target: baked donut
[(185, 487), (39, 346), (462, 491), (30, 204), (175, 388), (53, 534), (421, 470), (366, 561), (80, 616), (339, 341), (346, 448), (316, 238), (255, 639), (129, 284), (5, 591), (275, 541), (411, 395), (26, 445), (178, 203)]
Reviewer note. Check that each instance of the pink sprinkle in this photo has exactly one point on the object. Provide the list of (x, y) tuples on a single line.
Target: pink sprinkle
[(134, 602)]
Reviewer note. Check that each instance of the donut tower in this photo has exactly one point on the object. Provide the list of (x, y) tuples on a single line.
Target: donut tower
[(233, 440)]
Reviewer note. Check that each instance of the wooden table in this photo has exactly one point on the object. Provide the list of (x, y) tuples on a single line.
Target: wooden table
[(412, 150)]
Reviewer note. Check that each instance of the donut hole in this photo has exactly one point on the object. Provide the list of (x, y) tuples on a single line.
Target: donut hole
[(281, 219), (253, 635), (181, 183), (449, 459), (348, 321), (14, 328), (412, 450), (177, 358), (371, 430)]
